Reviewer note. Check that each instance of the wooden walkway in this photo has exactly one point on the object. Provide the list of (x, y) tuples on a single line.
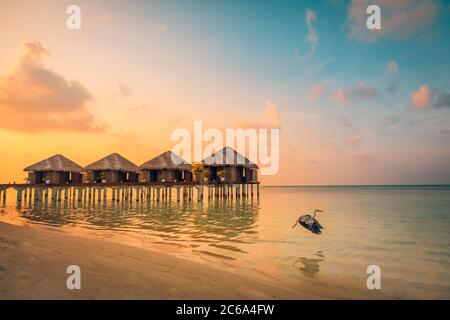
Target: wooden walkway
[(158, 191)]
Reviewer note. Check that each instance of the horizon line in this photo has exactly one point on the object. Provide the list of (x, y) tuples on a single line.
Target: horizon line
[(360, 185)]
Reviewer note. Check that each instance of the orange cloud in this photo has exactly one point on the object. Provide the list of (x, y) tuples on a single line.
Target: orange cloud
[(319, 89), (34, 98), (272, 118), (272, 114), (421, 98), (341, 96), (399, 18), (356, 137), (355, 141)]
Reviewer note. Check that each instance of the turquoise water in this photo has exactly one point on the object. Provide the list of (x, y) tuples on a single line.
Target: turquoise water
[(404, 230)]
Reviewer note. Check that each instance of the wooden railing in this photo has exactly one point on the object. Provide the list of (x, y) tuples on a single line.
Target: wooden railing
[(119, 184)]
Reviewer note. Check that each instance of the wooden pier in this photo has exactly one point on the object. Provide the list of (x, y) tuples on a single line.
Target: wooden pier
[(125, 192)]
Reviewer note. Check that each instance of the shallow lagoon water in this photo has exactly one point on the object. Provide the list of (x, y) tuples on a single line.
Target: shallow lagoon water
[(404, 230)]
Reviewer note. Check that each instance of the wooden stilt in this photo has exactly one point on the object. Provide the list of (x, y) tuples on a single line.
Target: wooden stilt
[(178, 193)]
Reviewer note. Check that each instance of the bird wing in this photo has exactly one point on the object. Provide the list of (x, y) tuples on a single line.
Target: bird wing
[(310, 223), (315, 228), (307, 219), (303, 224), (318, 224)]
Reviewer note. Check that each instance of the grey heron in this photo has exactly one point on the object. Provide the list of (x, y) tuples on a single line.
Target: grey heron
[(309, 222)]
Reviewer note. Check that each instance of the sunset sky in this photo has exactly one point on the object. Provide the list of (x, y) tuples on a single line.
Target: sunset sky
[(354, 106)]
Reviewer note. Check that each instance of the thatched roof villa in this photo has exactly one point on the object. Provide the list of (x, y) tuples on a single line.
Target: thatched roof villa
[(167, 167), (113, 168), (54, 170), (233, 167)]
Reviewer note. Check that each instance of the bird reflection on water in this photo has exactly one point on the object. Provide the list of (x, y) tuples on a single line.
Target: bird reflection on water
[(309, 267)]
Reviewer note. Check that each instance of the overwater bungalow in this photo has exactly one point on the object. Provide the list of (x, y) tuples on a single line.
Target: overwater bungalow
[(111, 169), (167, 167), (54, 170), (229, 166)]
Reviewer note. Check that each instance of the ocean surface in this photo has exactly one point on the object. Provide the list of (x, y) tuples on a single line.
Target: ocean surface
[(405, 230)]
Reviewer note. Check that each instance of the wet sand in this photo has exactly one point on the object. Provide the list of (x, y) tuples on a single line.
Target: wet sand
[(33, 265)]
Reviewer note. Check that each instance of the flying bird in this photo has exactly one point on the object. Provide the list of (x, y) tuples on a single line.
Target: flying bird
[(309, 222)]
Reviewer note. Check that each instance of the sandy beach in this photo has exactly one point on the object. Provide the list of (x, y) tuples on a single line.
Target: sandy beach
[(203, 251), (33, 265)]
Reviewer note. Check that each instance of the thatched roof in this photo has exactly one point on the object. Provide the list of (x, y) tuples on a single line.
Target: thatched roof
[(166, 160), (56, 163), (112, 162), (229, 157)]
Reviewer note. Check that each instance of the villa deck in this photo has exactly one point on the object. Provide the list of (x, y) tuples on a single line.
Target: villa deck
[(127, 191)]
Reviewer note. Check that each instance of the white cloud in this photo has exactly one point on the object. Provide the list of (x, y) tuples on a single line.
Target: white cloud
[(365, 90), (399, 18), (362, 90), (442, 101), (392, 67), (313, 37)]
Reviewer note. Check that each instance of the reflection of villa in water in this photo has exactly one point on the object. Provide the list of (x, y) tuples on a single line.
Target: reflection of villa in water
[(217, 225), (225, 174)]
